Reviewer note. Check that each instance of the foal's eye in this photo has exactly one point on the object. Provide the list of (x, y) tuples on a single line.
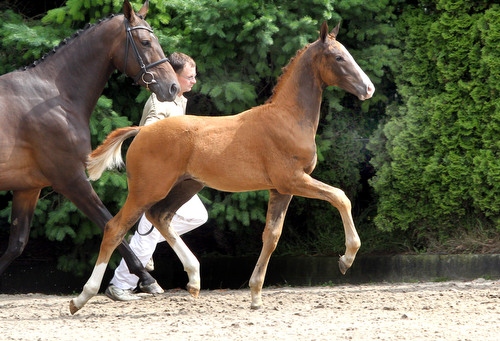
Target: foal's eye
[(339, 59)]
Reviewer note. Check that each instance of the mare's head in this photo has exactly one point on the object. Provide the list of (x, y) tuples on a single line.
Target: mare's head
[(141, 57), (337, 66)]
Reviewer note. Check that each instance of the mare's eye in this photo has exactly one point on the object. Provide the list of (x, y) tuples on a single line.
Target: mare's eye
[(146, 43)]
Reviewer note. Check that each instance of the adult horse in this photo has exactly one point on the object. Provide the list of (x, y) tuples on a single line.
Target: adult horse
[(271, 147), (44, 118)]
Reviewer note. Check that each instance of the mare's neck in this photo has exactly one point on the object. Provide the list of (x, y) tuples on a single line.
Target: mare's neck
[(81, 68)]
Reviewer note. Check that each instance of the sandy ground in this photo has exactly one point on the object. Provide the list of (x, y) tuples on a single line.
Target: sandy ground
[(402, 311)]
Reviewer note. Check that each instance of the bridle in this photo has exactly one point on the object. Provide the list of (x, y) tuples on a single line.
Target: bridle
[(146, 76)]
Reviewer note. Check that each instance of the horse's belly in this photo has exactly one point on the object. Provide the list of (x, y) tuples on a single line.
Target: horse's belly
[(238, 181)]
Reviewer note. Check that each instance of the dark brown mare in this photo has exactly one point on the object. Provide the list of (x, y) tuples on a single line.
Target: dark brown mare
[(271, 147), (45, 112)]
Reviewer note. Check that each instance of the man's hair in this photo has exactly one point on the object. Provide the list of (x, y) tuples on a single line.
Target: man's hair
[(178, 60)]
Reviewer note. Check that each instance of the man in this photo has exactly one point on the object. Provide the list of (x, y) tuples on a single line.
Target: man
[(189, 216)]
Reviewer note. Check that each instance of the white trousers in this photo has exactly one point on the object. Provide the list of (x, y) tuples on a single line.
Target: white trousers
[(188, 217)]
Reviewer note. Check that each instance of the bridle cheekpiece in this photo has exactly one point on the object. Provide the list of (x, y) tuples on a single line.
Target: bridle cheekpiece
[(146, 76)]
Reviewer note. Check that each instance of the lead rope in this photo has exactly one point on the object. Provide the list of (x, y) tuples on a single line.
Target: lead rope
[(146, 233)]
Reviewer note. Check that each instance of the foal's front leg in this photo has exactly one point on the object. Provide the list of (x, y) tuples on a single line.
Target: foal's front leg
[(312, 188), (276, 211)]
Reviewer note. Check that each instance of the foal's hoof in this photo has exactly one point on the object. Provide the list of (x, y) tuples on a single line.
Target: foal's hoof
[(342, 266), (72, 307), (255, 306), (256, 301), (193, 290)]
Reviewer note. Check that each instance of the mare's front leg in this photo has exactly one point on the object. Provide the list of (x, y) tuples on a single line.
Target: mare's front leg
[(23, 207), (81, 193), (276, 211)]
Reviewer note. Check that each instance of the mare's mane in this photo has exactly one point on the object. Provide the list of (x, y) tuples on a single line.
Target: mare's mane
[(65, 42)]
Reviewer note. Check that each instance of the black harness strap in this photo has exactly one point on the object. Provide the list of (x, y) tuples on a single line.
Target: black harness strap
[(144, 73)]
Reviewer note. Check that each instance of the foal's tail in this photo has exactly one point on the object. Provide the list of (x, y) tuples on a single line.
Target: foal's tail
[(108, 154)]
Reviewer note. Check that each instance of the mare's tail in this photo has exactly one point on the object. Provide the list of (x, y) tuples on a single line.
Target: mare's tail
[(108, 154)]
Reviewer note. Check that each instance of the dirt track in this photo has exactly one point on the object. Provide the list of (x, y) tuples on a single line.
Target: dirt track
[(404, 311)]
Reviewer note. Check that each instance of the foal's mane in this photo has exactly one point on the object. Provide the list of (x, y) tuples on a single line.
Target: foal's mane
[(285, 73), (65, 41)]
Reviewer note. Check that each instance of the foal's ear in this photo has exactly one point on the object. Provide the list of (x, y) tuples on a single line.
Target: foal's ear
[(323, 33), (335, 31)]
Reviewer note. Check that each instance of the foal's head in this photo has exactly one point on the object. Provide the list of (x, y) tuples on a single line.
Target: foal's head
[(141, 57), (337, 66)]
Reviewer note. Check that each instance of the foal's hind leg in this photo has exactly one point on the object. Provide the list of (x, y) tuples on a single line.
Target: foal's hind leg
[(161, 215), (114, 232), (23, 207), (81, 193), (276, 211)]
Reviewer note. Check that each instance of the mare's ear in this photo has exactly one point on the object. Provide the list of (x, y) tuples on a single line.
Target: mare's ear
[(128, 11), (335, 31), (323, 33), (144, 10)]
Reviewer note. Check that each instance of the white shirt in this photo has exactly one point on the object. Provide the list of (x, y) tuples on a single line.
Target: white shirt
[(155, 110)]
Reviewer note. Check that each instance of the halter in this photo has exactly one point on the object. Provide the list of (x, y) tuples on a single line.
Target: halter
[(146, 76)]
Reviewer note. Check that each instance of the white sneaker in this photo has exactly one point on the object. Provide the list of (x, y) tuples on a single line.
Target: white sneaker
[(150, 265), (117, 294)]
